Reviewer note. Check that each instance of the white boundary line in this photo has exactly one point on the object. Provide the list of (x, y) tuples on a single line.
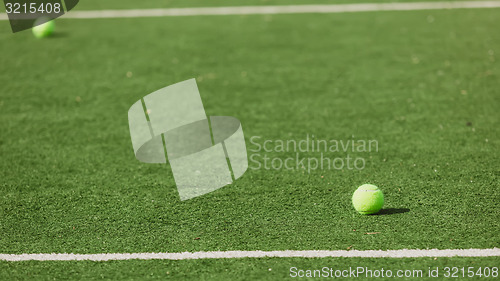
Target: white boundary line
[(285, 9), (405, 253)]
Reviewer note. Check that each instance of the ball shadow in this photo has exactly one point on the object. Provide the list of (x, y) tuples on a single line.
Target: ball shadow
[(57, 35), (392, 211)]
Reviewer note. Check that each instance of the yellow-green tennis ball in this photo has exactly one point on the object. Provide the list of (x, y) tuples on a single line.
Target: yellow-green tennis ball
[(368, 199), (45, 29)]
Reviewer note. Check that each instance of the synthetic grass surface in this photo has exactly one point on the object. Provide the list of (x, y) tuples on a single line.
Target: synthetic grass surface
[(423, 84), (238, 269)]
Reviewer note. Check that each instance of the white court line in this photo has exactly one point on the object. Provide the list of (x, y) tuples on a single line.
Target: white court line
[(285, 9), (405, 253)]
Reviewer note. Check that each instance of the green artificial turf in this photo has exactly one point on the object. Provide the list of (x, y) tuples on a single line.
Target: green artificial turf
[(424, 84), (246, 269)]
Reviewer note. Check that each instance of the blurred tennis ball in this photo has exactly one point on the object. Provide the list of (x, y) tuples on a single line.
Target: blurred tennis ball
[(43, 27)]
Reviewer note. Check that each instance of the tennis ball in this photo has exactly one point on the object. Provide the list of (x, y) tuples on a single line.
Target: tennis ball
[(368, 199), (43, 27)]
